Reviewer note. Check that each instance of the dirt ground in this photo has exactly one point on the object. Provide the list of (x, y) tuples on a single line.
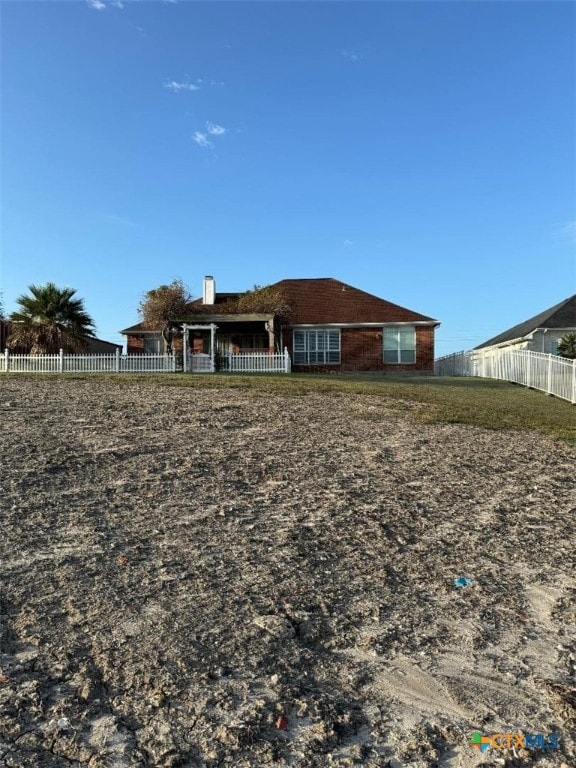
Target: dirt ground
[(225, 578)]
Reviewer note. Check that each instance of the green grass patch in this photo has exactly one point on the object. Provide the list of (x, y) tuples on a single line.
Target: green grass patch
[(455, 400)]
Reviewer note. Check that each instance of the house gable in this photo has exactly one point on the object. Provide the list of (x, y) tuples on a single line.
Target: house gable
[(326, 301), (561, 316)]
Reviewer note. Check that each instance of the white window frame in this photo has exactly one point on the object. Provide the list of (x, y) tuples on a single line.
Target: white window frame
[(397, 344), (316, 346)]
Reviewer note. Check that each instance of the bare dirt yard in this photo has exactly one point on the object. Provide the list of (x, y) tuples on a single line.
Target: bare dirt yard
[(225, 577)]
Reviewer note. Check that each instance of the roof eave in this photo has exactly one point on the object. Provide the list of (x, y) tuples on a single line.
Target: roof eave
[(506, 343), (226, 318), (379, 324)]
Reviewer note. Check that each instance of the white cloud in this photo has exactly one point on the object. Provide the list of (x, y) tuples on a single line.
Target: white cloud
[(177, 87), (99, 5), (350, 54), (215, 130), (569, 230), (201, 140), (359, 52)]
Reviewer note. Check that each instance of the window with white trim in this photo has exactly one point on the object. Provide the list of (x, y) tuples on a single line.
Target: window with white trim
[(318, 346), (399, 344)]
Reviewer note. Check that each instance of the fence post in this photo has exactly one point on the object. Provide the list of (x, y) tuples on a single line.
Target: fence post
[(117, 361), (573, 382), (287, 366), (61, 362), (528, 369), (549, 377), (6, 360)]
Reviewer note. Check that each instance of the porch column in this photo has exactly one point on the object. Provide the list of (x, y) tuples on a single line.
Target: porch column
[(185, 349), (269, 325), (212, 344)]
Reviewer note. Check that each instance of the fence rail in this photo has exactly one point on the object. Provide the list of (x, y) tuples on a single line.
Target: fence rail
[(537, 370), (61, 363)]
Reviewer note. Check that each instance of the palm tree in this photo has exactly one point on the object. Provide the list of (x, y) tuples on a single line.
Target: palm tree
[(566, 346), (49, 320)]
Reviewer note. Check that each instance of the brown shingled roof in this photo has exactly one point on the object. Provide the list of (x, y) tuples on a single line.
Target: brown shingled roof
[(138, 328), (326, 300), (317, 301)]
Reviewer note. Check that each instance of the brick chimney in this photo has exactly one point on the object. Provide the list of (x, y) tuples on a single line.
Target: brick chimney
[(209, 290)]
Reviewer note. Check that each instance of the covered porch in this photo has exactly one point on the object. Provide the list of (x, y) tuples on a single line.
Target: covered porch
[(232, 343)]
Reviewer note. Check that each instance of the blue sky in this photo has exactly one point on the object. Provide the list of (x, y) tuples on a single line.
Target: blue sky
[(421, 151)]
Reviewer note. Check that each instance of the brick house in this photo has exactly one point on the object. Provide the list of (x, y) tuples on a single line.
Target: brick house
[(331, 327)]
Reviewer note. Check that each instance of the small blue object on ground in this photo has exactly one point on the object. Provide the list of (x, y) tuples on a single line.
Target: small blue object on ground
[(462, 581)]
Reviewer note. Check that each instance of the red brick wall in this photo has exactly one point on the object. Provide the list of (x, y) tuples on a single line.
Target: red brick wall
[(425, 348), (134, 345), (361, 350)]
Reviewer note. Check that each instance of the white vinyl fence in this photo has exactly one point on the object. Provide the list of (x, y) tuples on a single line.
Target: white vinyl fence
[(255, 362), (537, 370), (61, 363)]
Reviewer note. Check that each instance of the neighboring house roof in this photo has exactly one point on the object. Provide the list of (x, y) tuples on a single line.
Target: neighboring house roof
[(139, 328), (95, 346), (101, 347), (314, 301), (562, 315)]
